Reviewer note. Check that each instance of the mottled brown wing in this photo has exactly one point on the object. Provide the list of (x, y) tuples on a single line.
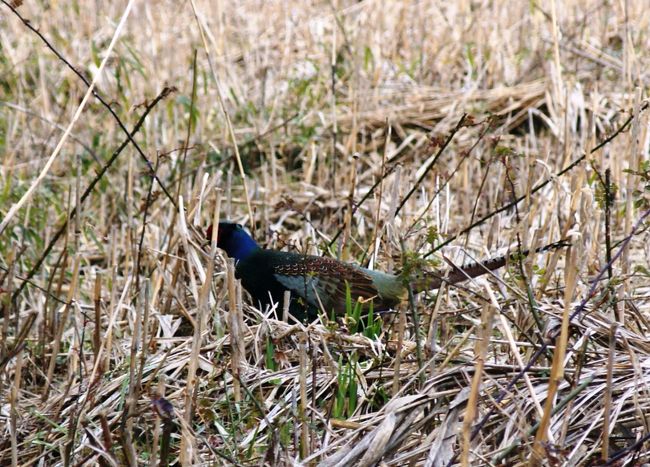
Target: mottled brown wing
[(326, 278)]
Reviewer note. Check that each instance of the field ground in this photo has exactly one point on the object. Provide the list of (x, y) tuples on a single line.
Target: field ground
[(394, 134)]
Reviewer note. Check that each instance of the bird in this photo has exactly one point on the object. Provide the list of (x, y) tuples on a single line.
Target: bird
[(319, 283)]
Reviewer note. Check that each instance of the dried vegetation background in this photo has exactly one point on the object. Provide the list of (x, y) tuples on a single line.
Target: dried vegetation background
[(377, 132)]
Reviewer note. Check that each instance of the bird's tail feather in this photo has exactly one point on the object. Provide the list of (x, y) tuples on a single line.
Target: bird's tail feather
[(433, 280)]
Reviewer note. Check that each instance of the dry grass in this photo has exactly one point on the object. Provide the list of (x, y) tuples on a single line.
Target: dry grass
[(130, 346)]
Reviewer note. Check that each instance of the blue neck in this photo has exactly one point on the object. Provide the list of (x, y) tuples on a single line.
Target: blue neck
[(240, 245)]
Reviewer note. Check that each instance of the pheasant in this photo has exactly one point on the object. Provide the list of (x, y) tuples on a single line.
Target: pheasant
[(320, 283)]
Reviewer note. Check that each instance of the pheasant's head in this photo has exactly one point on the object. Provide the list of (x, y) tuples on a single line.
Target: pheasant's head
[(234, 240)]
